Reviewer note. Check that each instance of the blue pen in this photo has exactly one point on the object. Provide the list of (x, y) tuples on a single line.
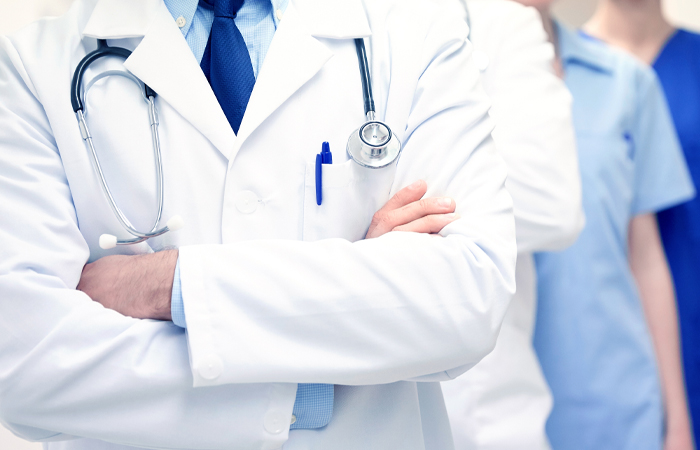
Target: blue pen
[(325, 157)]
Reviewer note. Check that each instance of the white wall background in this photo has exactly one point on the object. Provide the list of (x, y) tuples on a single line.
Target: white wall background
[(685, 13), (14, 14)]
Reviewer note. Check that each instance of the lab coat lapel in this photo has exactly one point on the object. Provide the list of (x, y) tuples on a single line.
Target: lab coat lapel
[(164, 61), (293, 58)]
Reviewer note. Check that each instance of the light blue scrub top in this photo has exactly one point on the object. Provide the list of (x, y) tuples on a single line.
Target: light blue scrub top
[(591, 335)]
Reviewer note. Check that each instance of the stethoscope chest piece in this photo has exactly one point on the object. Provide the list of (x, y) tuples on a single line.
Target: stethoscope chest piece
[(373, 145)]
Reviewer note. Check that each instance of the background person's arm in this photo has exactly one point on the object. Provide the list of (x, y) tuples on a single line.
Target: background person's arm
[(651, 272), (661, 180), (534, 126)]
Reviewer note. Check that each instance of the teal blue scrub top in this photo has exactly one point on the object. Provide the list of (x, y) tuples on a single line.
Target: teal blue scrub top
[(591, 336)]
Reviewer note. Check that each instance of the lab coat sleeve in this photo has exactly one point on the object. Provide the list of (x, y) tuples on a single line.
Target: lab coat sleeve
[(534, 129), (68, 366), (401, 306)]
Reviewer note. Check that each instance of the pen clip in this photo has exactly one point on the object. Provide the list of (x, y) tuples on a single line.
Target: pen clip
[(326, 154)]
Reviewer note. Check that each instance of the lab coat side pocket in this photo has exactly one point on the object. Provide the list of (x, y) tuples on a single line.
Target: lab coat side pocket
[(351, 196)]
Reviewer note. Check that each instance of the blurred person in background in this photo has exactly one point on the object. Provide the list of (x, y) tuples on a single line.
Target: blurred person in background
[(504, 402), (640, 28), (606, 328)]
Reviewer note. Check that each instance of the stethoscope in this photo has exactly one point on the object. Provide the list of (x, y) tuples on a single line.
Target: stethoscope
[(373, 145), (78, 102)]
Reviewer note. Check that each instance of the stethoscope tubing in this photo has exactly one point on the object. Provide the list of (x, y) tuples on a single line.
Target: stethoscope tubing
[(78, 104), (366, 79), (102, 50), (367, 153)]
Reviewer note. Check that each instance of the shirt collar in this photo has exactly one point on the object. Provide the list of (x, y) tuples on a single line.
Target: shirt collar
[(575, 48), (119, 19), (187, 8), (184, 9), (281, 6)]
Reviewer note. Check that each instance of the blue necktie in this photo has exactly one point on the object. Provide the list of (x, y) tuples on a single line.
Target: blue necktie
[(226, 62)]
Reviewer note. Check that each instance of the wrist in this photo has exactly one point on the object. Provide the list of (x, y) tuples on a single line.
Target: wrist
[(159, 270), (677, 421)]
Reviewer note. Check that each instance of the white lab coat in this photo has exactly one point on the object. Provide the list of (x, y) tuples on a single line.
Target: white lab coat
[(503, 403), (277, 290)]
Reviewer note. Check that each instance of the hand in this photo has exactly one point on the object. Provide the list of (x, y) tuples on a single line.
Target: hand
[(407, 210), (135, 286)]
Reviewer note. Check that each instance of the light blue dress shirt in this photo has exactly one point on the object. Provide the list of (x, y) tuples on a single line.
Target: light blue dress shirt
[(257, 21), (591, 334)]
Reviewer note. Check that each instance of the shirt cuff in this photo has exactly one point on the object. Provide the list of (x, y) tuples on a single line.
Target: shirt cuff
[(177, 306)]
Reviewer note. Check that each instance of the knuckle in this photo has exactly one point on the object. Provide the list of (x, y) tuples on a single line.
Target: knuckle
[(402, 197), (381, 221), (388, 219)]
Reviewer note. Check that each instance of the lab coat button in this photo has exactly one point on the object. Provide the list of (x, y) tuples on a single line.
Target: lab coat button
[(294, 419), (211, 367), (275, 422), (246, 202), (181, 21)]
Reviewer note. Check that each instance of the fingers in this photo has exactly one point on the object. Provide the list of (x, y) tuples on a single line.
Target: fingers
[(431, 224), (409, 194), (386, 221), (407, 210), (421, 208)]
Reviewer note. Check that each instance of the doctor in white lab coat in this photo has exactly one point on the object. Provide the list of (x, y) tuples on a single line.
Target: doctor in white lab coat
[(503, 402), (277, 290)]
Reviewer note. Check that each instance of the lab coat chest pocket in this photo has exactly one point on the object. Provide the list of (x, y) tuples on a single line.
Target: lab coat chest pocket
[(351, 196)]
